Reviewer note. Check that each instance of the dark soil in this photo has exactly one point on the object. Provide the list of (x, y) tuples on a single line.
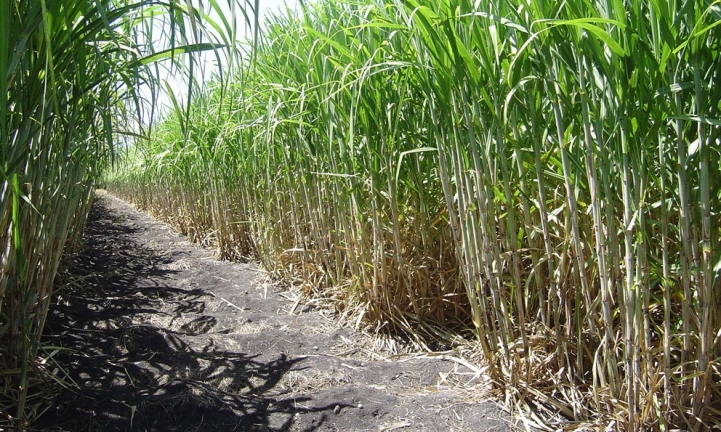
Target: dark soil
[(156, 335)]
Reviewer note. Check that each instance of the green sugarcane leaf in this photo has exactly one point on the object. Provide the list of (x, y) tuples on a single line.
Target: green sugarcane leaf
[(171, 53), (588, 25)]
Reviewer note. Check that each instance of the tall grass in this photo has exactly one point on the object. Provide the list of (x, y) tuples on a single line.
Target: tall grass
[(543, 176), (70, 80)]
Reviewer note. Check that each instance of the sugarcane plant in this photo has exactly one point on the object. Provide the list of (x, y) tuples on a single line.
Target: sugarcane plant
[(73, 79)]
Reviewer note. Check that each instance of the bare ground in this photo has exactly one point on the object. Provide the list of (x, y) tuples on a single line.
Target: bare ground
[(156, 335)]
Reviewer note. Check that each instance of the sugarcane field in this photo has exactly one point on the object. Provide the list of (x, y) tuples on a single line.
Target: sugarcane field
[(360, 215)]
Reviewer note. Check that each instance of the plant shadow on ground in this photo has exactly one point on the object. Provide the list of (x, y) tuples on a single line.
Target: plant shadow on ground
[(124, 373)]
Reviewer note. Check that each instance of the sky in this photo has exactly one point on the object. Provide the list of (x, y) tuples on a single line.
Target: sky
[(266, 5), (208, 61)]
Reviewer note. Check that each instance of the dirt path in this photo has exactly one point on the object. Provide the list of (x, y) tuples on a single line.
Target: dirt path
[(159, 336)]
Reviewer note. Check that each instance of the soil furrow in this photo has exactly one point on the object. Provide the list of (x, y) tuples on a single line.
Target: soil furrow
[(156, 335)]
